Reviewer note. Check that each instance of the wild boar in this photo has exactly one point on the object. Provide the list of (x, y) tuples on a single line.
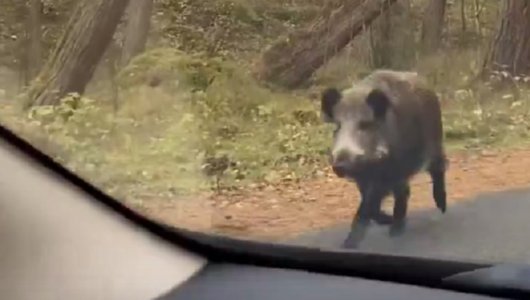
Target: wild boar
[(388, 129)]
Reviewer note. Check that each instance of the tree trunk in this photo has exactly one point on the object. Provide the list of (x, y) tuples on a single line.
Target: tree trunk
[(71, 65), (114, 54), (463, 15), (137, 29), (511, 47), (392, 40), (33, 51), (433, 23), (293, 60), (380, 41), (478, 7)]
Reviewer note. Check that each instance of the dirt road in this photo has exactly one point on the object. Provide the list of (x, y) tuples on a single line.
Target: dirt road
[(291, 208)]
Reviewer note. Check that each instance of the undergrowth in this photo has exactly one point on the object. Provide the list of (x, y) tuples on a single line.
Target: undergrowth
[(165, 140)]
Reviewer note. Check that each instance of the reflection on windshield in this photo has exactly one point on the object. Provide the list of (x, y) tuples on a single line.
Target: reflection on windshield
[(281, 120)]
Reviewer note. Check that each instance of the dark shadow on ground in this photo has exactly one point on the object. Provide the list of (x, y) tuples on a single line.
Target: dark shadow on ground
[(493, 227)]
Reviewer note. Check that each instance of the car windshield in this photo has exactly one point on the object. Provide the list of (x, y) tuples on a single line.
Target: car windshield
[(394, 127)]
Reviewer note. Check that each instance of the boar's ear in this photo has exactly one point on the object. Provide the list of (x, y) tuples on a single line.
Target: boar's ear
[(378, 102), (330, 98)]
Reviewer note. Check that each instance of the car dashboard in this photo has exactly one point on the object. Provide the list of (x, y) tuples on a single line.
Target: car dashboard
[(232, 281)]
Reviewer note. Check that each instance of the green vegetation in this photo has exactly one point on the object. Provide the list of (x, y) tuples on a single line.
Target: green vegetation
[(206, 105)]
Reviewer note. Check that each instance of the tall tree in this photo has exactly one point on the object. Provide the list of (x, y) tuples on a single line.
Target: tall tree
[(33, 51), (463, 15), (381, 41), (478, 9), (292, 61), (71, 65), (510, 49), (392, 37), (136, 29), (433, 23)]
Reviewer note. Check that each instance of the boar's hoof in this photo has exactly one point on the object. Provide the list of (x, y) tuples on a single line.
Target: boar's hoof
[(442, 207), (350, 243), (397, 229), (440, 200), (383, 218), (355, 237)]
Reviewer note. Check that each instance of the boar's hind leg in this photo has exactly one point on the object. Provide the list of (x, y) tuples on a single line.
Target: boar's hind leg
[(437, 172), (401, 197)]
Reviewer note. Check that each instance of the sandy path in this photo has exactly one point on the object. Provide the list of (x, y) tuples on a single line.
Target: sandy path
[(291, 208)]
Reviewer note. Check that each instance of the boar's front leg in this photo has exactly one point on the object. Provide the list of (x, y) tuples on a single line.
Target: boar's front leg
[(401, 197), (371, 197), (380, 217)]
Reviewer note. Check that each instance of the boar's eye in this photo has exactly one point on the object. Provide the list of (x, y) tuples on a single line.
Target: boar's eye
[(336, 130), (378, 102)]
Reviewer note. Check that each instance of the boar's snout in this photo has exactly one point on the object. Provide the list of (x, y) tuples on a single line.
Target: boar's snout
[(340, 169), (347, 165)]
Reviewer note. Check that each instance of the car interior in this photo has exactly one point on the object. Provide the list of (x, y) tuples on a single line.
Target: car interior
[(90, 246)]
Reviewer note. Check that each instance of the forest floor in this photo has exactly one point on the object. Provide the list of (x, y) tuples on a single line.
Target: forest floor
[(274, 212)]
